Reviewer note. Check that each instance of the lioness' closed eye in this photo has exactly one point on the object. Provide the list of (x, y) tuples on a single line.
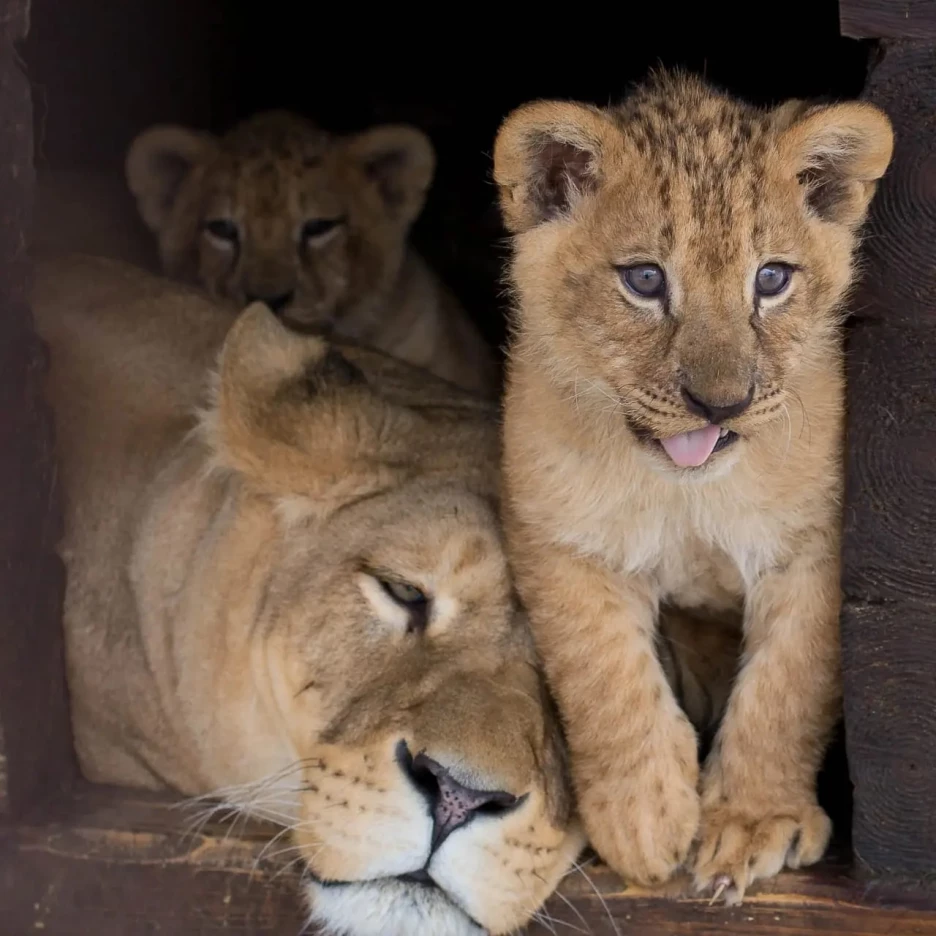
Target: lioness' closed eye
[(300, 598)]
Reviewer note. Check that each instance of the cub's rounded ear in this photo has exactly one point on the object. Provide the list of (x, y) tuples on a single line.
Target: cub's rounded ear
[(297, 418), (157, 163), (546, 156), (839, 152), (401, 161)]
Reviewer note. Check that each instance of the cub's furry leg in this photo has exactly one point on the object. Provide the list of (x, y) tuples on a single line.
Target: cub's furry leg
[(633, 751), (760, 810)]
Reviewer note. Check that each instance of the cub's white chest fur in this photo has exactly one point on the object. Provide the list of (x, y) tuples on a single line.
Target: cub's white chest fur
[(700, 543)]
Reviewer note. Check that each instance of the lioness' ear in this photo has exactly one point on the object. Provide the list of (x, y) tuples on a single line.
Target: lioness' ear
[(157, 163), (298, 419), (546, 156), (838, 153), (401, 160)]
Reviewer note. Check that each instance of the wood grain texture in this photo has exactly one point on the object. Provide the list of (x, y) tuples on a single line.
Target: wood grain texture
[(115, 863), (889, 619), (888, 19), (34, 734)]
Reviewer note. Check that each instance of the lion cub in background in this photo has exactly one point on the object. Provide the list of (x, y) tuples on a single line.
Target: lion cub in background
[(315, 226), (673, 441)]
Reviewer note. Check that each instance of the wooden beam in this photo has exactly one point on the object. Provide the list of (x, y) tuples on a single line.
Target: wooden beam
[(888, 19), (35, 744), (115, 863), (889, 618)]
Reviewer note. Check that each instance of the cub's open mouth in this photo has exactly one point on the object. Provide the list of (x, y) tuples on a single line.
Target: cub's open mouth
[(693, 449), (689, 449)]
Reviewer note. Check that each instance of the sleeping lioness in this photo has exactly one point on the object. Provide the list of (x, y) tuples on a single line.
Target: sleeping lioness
[(293, 585)]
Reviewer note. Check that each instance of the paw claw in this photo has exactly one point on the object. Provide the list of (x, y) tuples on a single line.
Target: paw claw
[(721, 883), (738, 850)]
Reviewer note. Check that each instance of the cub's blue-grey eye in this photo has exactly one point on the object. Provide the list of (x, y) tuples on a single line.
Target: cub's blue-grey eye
[(646, 280), (772, 279), (222, 228)]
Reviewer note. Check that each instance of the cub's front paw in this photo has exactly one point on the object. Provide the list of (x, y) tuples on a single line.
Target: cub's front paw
[(738, 846), (642, 816)]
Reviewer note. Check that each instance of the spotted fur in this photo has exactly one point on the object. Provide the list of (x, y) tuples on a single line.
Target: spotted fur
[(607, 533)]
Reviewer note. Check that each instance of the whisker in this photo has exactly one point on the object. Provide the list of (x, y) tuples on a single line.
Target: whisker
[(545, 920), (287, 866), (598, 894), (575, 910), (284, 831), (806, 424), (789, 419)]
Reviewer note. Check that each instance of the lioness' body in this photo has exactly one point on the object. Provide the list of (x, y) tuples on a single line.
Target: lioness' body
[(286, 580), (124, 388), (315, 226), (673, 439)]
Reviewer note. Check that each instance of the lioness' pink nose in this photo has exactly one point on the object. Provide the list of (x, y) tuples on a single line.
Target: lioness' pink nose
[(451, 803)]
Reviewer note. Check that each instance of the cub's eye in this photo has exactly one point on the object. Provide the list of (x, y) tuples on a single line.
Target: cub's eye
[(772, 279), (407, 595), (646, 280), (222, 228), (313, 230)]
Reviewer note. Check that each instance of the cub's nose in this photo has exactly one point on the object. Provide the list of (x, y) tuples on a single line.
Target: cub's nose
[(276, 303), (451, 803), (715, 413)]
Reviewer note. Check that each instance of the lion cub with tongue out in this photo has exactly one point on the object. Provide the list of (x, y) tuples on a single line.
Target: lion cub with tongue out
[(673, 446)]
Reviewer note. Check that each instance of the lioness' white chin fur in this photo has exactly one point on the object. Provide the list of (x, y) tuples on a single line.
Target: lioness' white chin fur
[(385, 908)]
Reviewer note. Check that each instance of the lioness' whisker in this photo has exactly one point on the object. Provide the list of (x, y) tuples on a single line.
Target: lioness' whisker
[(543, 918), (286, 830), (574, 909), (581, 870), (287, 866)]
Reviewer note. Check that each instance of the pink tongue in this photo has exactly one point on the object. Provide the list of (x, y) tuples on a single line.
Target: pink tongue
[(691, 449)]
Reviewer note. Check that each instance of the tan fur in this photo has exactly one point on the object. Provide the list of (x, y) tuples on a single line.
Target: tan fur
[(272, 176), (226, 630), (604, 529)]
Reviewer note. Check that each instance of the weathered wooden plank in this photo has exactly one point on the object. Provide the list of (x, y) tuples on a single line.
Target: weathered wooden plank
[(888, 19), (114, 863), (889, 619), (34, 735)]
